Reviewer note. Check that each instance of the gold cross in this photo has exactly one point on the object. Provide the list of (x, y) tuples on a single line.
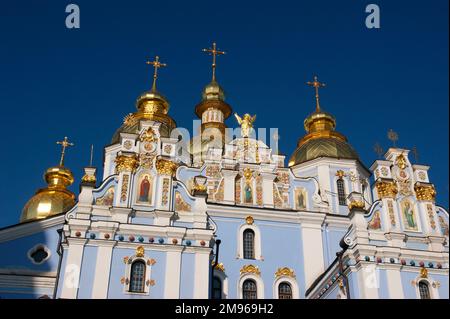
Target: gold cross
[(378, 149), (392, 136), (156, 64), (214, 51), (316, 85), (65, 143)]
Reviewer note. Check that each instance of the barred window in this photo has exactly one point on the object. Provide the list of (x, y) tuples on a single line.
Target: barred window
[(249, 289), (137, 281), (341, 192), (249, 244), (284, 291), (424, 290), (217, 288)]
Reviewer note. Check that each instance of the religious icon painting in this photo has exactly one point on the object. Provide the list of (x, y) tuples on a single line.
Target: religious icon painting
[(248, 194), (300, 198), (145, 189), (107, 198), (409, 215), (375, 223)]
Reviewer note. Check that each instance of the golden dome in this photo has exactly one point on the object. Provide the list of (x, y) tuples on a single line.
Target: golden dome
[(321, 139), (152, 106), (213, 96), (52, 200)]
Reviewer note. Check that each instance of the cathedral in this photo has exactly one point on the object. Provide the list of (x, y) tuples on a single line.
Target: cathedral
[(220, 215)]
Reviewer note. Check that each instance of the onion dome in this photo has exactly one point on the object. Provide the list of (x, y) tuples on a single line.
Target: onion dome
[(151, 105), (321, 139), (55, 198)]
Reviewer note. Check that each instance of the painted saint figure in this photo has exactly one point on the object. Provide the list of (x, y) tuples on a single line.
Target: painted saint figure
[(248, 195), (144, 190), (409, 215), (375, 223), (301, 199)]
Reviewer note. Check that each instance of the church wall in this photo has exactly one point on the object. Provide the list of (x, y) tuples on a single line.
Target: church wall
[(87, 272), (331, 238), (187, 276), (118, 271), (353, 284), (276, 237), (383, 289), (17, 251)]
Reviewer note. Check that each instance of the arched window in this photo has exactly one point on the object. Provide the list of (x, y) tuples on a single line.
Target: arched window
[(424, 290), (249, 289), (249, 244), (341, 192), (284, 291), (217, 288), (137, 281)]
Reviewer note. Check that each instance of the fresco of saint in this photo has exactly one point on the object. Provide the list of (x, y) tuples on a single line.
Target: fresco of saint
[(375, 223), (409, 216), (300, 198), (145, 190), (248, 194)]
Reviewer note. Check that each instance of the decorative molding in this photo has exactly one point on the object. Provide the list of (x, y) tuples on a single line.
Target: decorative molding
[(285, 271), (166, 167), (250, 269), (425, 192), (126, 163), (386, 189)]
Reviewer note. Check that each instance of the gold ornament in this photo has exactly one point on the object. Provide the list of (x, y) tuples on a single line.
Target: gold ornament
[(166, 167), (140, 251), (386, 189), (126, 163), (248, 174), (425, 191), (356, 204), (250, 269), (148, 136), (219, 266), (423, 272), (285, 271), (246, 123), (340, 174), (249, 220), (400, 161), (90, 179)]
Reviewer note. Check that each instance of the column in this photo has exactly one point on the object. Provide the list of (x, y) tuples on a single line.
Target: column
[(102, 270), (72, 268), (173, 273), (201, 275)]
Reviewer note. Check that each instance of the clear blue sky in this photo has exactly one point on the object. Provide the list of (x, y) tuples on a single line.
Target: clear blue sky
[(81, 83)]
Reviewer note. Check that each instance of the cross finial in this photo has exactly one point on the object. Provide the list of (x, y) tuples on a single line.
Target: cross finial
[(316, 85), (64, 143), (378, 149), (392, 136), (214, 52), (92, 155), (156, 64), (415, 153)]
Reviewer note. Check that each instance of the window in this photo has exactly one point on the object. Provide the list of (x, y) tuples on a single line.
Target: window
[(249, 289), (424, 290), (341, 192), (284, 291), (38, 254), (217, 288), (137, 281), (249, 244)]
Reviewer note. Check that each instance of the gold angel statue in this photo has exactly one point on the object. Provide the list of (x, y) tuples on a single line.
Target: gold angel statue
[(246, 123)]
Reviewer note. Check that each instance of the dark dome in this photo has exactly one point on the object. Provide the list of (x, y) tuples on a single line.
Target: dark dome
[(322, 147)]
